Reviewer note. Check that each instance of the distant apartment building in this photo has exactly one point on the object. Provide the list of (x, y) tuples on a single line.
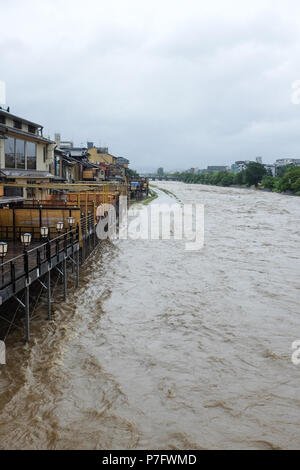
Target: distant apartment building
[(26, 156), (212, 169), (239, 165), (271, 168), (64, 144), (287, 161)]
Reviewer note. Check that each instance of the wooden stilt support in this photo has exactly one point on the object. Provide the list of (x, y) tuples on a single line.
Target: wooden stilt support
[(27, 314), (65, 277), (49, 294), (77, 268)]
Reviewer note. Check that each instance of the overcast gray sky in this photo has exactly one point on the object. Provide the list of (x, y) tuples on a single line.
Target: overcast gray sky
[(163, 83)]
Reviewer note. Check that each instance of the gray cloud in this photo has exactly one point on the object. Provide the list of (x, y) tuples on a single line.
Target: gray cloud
[(161, 82)]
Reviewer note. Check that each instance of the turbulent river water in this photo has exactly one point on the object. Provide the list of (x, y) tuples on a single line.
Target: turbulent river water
[(164, 348)]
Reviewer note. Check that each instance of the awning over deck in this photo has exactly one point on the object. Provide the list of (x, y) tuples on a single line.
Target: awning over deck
[(17, 173)]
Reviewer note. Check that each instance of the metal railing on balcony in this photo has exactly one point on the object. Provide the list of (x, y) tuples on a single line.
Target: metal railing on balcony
[(31, 263)]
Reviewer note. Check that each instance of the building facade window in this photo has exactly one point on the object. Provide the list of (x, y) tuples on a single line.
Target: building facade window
[(31, 156), (57, 165), (9, 152), (18, 124), (17, 151), (31, 129), (11, 191), (20, 153)]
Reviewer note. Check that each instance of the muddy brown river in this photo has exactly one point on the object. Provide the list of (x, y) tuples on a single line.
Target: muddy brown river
[(161, 348)]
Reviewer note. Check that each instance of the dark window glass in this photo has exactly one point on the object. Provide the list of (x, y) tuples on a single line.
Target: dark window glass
[(9, 152), (57, 165), (44, 154), (31, 156), (2, 120), (31, 129), (18, 124), (20, 153), (11, 191)]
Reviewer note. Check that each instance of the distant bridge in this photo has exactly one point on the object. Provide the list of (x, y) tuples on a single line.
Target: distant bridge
[(154, 177)]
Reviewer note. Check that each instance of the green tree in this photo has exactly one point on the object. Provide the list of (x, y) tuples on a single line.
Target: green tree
[(254, 173), (160, 172), (227, 179), (268, 182), (132, 173), (290, 181), (239, 177), (281, 170)]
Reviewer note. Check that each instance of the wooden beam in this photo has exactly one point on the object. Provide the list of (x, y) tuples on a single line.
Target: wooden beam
[(70, 186)]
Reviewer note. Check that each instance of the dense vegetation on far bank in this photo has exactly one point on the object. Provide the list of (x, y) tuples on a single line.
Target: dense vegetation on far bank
[(286, 180)]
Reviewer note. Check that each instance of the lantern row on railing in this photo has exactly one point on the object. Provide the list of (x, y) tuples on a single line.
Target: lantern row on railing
[(3, 249), (26, 237)]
